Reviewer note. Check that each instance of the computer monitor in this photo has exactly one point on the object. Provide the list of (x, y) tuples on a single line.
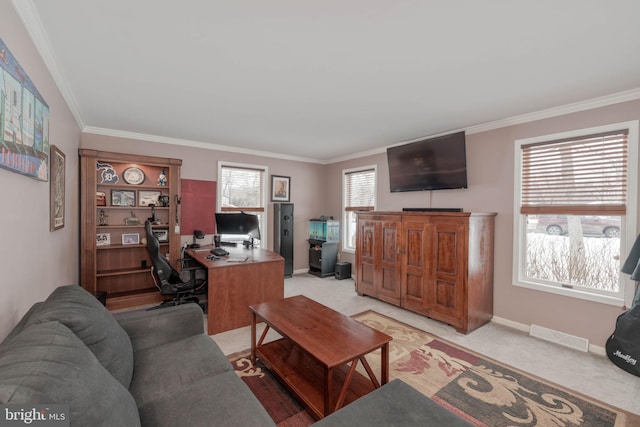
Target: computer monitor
[(238, 223)]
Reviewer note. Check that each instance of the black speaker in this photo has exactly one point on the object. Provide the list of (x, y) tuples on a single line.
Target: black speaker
[(343, 270), (283, 234)]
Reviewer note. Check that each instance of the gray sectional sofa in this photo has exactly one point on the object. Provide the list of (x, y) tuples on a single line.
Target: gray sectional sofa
[(153, 368)]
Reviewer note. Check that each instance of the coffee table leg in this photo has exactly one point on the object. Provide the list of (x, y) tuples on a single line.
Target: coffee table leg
[(253, 338), (328, 391), (384, 368)]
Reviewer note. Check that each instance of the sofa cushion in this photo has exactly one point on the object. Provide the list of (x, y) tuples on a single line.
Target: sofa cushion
[(170, 367), (93, 324), (47, 364), (221, 400), (395, 404)]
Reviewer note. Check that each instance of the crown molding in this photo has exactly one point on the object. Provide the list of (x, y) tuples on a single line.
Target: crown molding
[(31, 20), (194, 144), (603, 101)]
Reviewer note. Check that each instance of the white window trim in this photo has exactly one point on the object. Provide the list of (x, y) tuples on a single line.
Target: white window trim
[(264, 231), (344, 212), (628, 226)]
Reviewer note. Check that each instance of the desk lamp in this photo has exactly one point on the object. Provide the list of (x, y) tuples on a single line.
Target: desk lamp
[(197, 234), (632, 266)]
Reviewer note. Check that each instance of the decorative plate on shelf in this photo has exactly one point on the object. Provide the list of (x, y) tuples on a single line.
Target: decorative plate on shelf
[(133, 176)]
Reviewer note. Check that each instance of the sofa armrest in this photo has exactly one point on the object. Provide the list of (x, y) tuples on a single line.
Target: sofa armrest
[(151, 328)]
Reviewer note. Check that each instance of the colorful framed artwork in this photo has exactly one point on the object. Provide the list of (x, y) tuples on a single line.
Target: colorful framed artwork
[(56, 189), (24, 122), (280, 188)]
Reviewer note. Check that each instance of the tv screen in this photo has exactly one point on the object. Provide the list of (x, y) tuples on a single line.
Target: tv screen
[(431, 164), (238, 223)]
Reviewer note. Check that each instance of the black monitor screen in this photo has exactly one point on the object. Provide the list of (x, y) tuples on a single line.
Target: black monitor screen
[(238, 223)]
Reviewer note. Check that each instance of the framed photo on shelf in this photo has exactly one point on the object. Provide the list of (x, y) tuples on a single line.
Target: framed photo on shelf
[(131, 239), (124, 198), (146, 198), (103, 239), (161, 235), (280, 188)]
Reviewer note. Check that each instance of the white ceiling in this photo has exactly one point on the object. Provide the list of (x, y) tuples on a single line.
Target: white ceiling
[(324, 80)]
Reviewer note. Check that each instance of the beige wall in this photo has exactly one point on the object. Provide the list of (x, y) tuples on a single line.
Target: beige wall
[(34, 260), (307, 179), (490, 158)]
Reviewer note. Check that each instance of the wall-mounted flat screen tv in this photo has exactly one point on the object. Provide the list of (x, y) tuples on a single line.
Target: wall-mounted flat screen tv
[(430, 164)]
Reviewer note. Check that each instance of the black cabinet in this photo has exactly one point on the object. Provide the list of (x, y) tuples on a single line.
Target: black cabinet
[(322, 257)]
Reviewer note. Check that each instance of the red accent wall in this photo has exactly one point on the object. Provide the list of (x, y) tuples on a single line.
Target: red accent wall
[(197, 207)]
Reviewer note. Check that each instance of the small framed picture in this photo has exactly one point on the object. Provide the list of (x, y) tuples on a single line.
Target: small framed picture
[(280, 188), (123, 198), (146, 198), (131, 239), (161, 235), (103, 239), (101, 198)]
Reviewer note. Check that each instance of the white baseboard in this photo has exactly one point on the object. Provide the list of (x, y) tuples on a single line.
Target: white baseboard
[(583, 343)]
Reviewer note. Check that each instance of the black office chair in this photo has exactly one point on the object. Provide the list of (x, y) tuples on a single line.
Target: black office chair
[(181, 288)]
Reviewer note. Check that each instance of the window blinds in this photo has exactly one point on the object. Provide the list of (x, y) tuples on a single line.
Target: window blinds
[(242, 189), (579, 176), (359, 192)]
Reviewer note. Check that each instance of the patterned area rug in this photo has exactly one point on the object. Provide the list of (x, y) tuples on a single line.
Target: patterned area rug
[(481, 390)]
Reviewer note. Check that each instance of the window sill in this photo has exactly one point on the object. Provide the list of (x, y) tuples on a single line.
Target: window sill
[(572, 293)]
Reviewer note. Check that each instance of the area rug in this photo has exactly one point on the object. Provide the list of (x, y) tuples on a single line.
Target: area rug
[(481, 390)]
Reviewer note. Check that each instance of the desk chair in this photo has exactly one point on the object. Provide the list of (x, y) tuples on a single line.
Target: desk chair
[(180, 287)]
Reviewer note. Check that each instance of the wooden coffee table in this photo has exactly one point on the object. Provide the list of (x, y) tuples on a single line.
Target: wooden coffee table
[(317, 356)]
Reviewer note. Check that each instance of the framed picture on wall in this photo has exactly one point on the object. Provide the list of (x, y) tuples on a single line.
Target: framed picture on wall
[(280, 188), (56, 189)]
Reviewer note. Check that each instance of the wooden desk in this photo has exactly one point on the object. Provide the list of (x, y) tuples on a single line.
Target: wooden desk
[(234, 286)]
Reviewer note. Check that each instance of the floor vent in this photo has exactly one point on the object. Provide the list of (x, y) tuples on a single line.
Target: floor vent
[(558, 337)]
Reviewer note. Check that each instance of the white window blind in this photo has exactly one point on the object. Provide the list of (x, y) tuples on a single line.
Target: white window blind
[(359, 192), (580, 176), (242, 189)]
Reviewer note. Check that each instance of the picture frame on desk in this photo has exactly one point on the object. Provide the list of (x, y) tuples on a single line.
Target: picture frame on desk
[(103, 239), (131, 239)]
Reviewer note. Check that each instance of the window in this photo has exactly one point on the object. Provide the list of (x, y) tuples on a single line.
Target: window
[(575, 196), (242, 188), (359, 190)]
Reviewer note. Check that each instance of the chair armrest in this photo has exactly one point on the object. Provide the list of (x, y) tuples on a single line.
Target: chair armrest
[(151, 328)]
